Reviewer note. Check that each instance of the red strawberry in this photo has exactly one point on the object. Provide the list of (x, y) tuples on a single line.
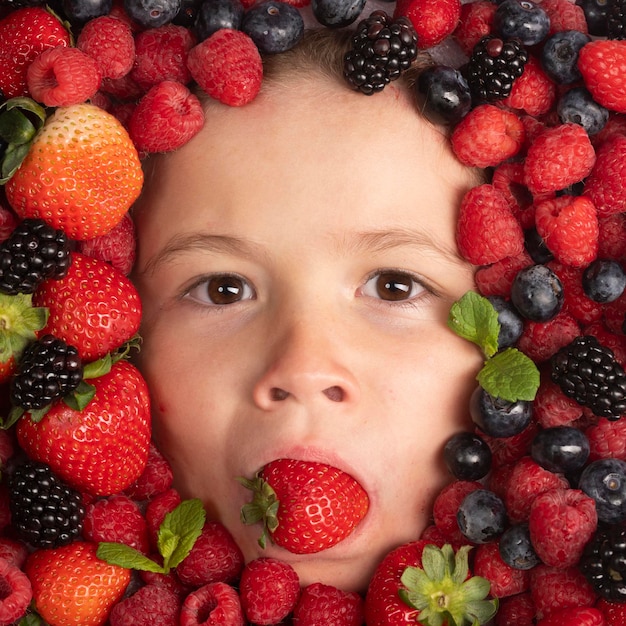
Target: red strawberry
[(73, 587), (103, 448), (614, 612), (216, 604), (318, 505), (269, 590), (321, 605), (433, 21), (94, 307), (81, 174), (602, 64), (24, 34)]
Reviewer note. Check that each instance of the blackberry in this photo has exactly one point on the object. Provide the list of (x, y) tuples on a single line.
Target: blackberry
[(45, 511), (616, 19), (588, 372), (382, 48), (49, 369), (603, 562), (33, 253), (494, 66)]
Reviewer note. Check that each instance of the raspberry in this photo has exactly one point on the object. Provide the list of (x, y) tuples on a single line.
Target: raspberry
[(63, 76), (8, 219), (561, 522), (16, 592), (227, 66), (13, 551), (614, 612), (602, 64), (565, 15), (497, 279), (447, 504), (486, 229), (581, 616), (124, 88), (320, 605), (560, 156), (615, 342), (533, 92), (540, 340), (215, 557), (552, 407), (505, 580), (508, 179), (528, 480), (161, 54), (516, 610), (116, 519), (487, 136), (498, 479), (149, 605), (216, 604), (603, 185), (575, 301), (505, 450), (433, 20), (475, 23), (569, 227), (156, 511), (607, 440), (156, 478), (110, 43), (167, 117), (612, 237), (117, 247), (616, 125), (555, 588), (269, 590)]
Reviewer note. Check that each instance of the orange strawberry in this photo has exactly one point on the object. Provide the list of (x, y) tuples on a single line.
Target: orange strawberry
[(81, 174), (103, 448), (94, 307), (72, 586), (306, 506)]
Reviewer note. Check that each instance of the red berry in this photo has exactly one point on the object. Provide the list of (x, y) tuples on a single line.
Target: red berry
[(63, 76), (614, 612), (497, 278), (581, 616), (216, 604), (505, 580), (433, 20), (552, 407), (540, 340), (148, 606), (16, 592), (110, 43), (161, 54), (612, 236), (215, 557), (124, 88), (156, 511), (487, 136), (508, 179), (607, 440), (15, 552), (447, 504), (475, 23), (602, 64), (565, 15), (575, 301), (516, 610), (603, 185), (269, 590), (227, 66), (156, 478), (487, 231), (320, 605), (505, 450), (560, 156), (166, 118), (533, 92)]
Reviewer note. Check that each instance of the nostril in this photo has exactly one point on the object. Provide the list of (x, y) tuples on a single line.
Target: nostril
[(334, 393), (278, 394)]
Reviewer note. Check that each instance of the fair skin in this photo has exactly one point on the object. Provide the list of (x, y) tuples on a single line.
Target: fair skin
[(330, 216)]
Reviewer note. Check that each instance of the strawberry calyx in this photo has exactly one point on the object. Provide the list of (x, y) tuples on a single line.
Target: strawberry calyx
[(263, 507), (19, 323), (442, 591), (21, 119)]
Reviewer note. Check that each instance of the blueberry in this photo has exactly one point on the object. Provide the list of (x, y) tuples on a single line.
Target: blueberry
[(604, 280), (559, 56), (560, 449), (467, 456), (81, 11), (273, 26), (511, 324), (523, 20), (537, 293), (445, 94), (481, 516), (216, 14), (605, 481), (497, 417), (596, 16), (187, 13), (516, 548), (577, 106), (152, 13), (337, 13), (536, 246)]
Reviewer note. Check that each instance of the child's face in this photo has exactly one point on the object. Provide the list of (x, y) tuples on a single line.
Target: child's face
[(297, 263)]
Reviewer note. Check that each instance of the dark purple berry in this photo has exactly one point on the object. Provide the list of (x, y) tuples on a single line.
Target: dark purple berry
[(216, 14), (337, 13), (537, 293), (578, 107), (596, 16), (497, 417), (511, 324), (523, 20), (467, 456), (536, 247), (604, 280), (559, 56), (516, 549), (560, 449), (445, 94), (604, 480), (482, 516), (273, 26), (152, 13)]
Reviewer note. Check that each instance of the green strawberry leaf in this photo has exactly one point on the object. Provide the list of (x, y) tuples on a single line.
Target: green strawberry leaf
[(125, 556), (263, 508), (31, 619), (14, 415), (16, 128), (510, 375), (98, 368), (474, 318), (19, 323), (179, 531), (123, 352), (81, 396)]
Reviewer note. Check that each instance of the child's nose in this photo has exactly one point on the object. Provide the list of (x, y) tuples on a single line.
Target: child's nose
[(307, 367)]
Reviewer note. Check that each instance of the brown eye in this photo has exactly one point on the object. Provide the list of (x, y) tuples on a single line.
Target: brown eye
[(392, 286), (221, 290)]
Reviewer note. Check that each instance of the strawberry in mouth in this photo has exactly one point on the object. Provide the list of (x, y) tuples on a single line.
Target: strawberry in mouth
[(304, 506)]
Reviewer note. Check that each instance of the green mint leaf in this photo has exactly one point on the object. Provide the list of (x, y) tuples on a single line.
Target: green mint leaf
[(125, 556), (179, 531), (474, 318), (510, 375)]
